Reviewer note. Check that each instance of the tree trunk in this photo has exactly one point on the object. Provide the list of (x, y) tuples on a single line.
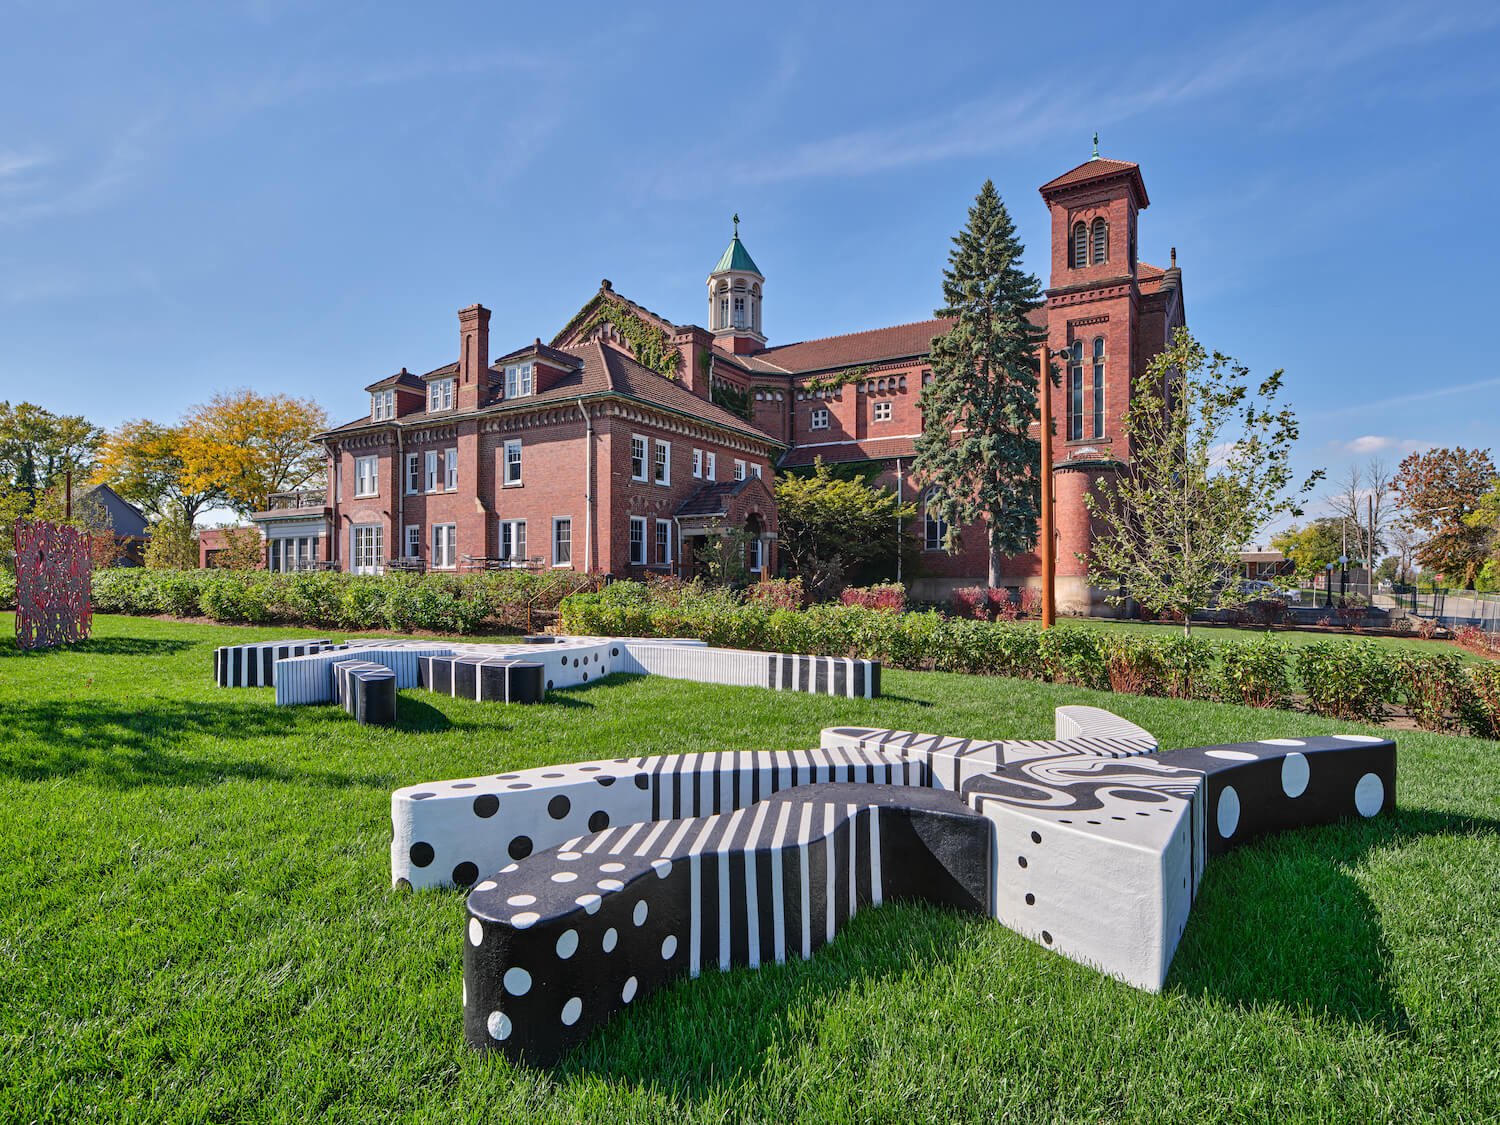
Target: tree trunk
[(994, 579)]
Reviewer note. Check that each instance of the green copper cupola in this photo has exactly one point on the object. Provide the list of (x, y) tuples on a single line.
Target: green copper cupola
[(734, 295)]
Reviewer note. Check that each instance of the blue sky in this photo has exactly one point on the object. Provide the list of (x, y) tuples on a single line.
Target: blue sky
[(298, 197)]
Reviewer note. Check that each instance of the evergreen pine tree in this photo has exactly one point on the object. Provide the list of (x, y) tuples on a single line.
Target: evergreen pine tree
[(976, 453)]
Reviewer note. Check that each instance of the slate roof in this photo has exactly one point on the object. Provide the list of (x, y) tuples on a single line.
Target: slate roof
[(402, 378), (870, 449), (713, 499), (596, 369)]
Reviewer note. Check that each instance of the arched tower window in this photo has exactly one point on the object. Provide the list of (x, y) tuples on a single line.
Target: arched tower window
[(1098, 404), (1078, 250), (1075, 391), (1100, 240)]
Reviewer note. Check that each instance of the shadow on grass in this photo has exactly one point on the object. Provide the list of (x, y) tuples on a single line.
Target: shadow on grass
[(698, 1035), (1285, 922), (1282, 922), (413, 716), (99, 646), (116, 745)]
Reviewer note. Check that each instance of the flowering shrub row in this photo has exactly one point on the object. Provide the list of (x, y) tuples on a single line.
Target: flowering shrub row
[(1357, 680), (438, 603)]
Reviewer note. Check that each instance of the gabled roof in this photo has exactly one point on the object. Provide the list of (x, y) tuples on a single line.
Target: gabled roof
[(402, 378), (736, 257), (713, 499), (555, 356), (1099, 168), (607, 293)]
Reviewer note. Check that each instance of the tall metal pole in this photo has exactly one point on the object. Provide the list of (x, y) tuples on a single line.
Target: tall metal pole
[(1047, 534)]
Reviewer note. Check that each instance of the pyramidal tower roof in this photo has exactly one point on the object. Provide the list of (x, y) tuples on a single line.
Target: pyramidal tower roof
[(736, 257)]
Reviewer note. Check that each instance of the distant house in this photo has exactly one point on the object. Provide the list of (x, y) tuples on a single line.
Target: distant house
[(214, 541), (128, 523), (1264, 565)]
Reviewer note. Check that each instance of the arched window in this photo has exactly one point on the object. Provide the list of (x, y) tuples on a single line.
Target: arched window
[(1075, 391), (934, 528), (1078, 251), (1100, 240), (1098, 411)]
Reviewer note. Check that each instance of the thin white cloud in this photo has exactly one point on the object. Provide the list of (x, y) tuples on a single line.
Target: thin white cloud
[(1369, 443), (1273, 50), (13, 164), (1415, 396)]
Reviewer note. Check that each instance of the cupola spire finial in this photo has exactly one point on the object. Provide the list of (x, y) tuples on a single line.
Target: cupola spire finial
[(736, 224), (1096, 146)]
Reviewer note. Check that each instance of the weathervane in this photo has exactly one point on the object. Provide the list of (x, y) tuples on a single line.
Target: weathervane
[(736, 224), (1096, 144)]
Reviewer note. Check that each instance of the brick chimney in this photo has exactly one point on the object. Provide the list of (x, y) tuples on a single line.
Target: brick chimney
[(473, 357), (695, 345)]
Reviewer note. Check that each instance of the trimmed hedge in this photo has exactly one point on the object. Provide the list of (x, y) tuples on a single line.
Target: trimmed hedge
[(436, 603), (1356, 680)]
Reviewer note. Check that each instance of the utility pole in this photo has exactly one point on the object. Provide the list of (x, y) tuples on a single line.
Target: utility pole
[(1048, 536)]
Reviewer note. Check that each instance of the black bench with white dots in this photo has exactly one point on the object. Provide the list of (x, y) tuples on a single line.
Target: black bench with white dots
[(1097, 856), (367, 691)]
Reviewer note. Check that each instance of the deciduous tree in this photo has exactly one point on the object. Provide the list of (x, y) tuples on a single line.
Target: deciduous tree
[(833, 527), (143, 461), (1442, 489), (976, 455), (249, 445), (1210, 465), (1312, 546)]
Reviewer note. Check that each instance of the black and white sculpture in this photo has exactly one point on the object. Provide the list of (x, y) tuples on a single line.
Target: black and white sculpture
[(367, 691), (609, 879), (302, 671)]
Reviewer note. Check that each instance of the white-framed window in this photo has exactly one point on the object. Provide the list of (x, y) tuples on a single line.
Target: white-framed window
[(367, 548), (512, 461), (440, 394), (562, 541), (519, 381), (637, 541), (710, 465), (935, 530), (432, 471), (697, 464), (662, 472), (739, 312), (664, 542), (413, 473), (881, 411), (637, 457), (413, 541), (756, 470), (513, 540), (444, 546), (757, 554), (382, 405), (366, 476), (450, 469), (819, 418), (739, 469)]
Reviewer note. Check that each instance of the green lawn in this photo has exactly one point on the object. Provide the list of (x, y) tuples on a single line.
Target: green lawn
[(196, 924)]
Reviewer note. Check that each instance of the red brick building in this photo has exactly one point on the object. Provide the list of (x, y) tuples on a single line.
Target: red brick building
[(627, 438)]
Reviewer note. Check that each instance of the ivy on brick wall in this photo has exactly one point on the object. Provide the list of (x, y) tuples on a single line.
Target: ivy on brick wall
[(651, 345), (730, 397), (834, 381)]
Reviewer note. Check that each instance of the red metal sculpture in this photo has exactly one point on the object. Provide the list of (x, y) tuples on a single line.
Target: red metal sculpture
[(54, 566)]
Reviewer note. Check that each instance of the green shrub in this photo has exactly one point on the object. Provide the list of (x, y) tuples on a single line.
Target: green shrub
[(1479, 704), (1072, 655), (1347, 679), (1256, 672), (1135, 664), (1432, 684), (7, 590)]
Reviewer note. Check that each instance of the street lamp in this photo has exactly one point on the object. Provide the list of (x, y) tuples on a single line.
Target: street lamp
[(1328, 586), (1343, 579)]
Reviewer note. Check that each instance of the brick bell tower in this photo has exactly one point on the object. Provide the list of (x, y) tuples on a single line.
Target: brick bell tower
[(1093, 327)]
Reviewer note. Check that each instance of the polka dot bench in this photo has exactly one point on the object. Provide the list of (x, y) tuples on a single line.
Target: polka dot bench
[(367, 691), (1093, 846)]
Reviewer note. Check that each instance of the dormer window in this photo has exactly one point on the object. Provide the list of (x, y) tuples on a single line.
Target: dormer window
[(519, 380), (440, 394), (382, 406)]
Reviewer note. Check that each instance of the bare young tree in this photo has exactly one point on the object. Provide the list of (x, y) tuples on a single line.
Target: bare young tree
[(1365, 501)]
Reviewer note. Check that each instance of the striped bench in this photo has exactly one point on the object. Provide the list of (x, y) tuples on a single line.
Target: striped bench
[(253, 665), (559, 943), (367, 691), (497, 679)]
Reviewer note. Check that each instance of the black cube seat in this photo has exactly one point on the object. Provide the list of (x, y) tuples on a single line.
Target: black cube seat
[(496, 679), (367, 691)]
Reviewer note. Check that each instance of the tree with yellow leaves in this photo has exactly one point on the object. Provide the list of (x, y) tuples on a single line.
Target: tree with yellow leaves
[(247, 445), (142, 461)]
